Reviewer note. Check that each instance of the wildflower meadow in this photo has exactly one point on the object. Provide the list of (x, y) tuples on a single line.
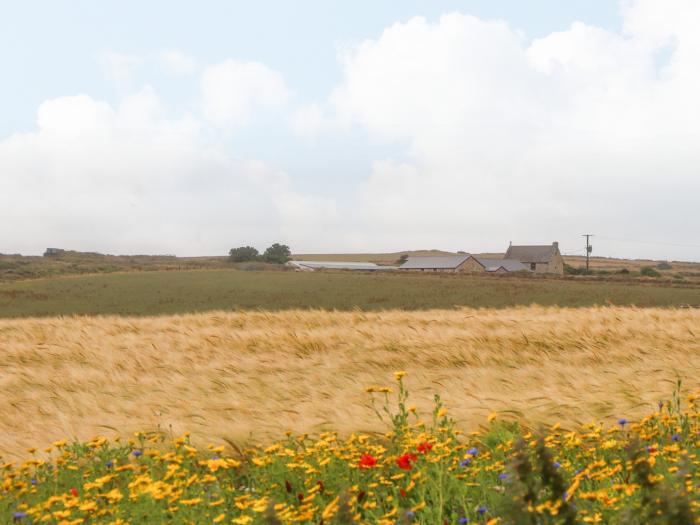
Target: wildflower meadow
[(422, 470)]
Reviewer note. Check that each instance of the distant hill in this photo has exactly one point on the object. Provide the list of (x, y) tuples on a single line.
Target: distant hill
[(67, 262)]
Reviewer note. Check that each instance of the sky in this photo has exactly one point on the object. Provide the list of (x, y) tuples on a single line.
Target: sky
[(369, 126)]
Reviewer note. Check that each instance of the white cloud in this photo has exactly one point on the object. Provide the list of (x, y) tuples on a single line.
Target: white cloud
[(232, 89), (530, 141), (308, 121), (121, 67), (497, 138), (177, 63), (127, 179)]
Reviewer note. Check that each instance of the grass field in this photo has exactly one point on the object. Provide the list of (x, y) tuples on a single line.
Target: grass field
[(230, 376), (171, 292)]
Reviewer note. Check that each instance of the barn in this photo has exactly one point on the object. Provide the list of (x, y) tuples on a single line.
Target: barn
[(502, 265), (442, 263)]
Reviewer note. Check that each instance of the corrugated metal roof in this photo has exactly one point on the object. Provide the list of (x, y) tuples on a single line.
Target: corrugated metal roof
[(531, 254), (510, 265), (442, 262), (336, 265)]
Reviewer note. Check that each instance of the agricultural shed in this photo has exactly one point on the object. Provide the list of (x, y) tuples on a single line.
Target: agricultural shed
[(538, 258), (502, 265), (336, 265), (442, 263)]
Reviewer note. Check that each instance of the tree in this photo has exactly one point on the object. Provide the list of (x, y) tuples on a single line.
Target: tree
[(277, 253), (242, 254), (402, 259), (648, 271)]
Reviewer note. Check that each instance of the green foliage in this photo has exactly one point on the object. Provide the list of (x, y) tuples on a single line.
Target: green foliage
[(242, 254), (573, 270), (277, 254), (648, 271), (401, 260)]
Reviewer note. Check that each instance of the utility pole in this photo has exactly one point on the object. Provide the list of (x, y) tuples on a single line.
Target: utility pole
[(589, 248)]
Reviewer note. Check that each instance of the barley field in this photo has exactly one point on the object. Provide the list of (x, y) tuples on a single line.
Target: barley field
[(243, 377)]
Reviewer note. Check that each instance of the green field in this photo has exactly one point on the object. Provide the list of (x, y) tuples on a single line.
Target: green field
[(170, 292)]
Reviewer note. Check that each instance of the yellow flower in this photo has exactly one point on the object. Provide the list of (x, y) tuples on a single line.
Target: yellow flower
[(492, 417), (399, 375), (221, 517), (88, 506), (331, 509), (242, 520), (191, 502), (418, 507)]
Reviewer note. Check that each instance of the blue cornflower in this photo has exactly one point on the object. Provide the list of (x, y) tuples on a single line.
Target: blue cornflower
[(622, 422), (410, 514), (482, 509), (137, 453), (463, 519), (472, 451), (503, 476), (465, 462), (564, 496), (35, 481), (676, 437), (556, 464), (19, 515), (109, 464)]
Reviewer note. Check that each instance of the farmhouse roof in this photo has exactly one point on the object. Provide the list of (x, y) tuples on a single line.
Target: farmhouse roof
[(442, 262), (532, 254), (510, 265)]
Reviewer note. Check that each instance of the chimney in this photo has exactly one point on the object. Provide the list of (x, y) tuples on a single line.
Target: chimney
[(556, 245)]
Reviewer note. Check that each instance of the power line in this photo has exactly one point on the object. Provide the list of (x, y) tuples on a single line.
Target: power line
[(658, 243)]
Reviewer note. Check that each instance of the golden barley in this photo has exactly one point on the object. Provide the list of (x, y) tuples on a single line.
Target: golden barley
[(227, 377)]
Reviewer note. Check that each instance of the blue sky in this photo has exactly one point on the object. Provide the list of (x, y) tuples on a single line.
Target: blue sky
[(348, 126)]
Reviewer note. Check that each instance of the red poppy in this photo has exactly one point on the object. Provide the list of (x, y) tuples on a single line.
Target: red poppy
[(74, 492), (288, 486), (404, 462), (367, 461), (425, 447), (402, 492)]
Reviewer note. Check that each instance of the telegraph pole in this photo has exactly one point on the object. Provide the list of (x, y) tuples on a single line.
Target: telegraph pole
[(589, 248)]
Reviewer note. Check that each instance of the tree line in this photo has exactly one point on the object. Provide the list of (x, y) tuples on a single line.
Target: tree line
[(276, 254)]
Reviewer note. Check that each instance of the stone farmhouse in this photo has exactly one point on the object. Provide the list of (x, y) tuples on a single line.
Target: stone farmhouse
[(538, 259)]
